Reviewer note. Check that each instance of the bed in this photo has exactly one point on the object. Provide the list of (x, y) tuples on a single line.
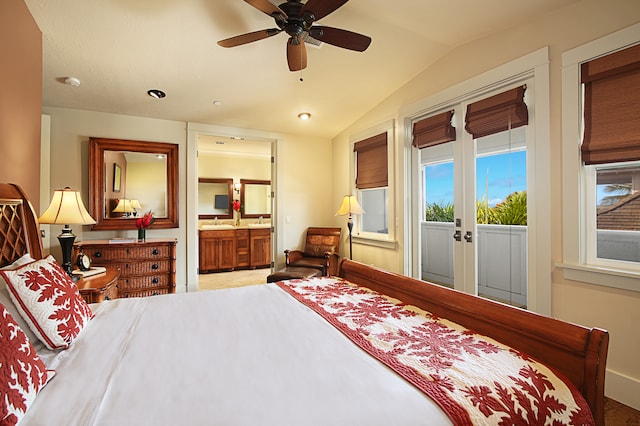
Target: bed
[(317, 351)]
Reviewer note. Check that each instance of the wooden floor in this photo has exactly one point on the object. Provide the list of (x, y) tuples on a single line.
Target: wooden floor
[(220, 280), (616, 414)]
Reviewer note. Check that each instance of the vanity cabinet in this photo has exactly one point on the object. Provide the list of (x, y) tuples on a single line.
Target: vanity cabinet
[(229, 249), (146, 268), (242, 248), (260, 247), (217, 250)]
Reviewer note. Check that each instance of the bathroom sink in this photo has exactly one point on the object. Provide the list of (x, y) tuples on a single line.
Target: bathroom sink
[(211, 226), (259, 225)]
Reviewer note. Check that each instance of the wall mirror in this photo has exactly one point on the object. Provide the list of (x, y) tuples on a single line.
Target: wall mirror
[(214, 198), (255, 197), (129, 178)]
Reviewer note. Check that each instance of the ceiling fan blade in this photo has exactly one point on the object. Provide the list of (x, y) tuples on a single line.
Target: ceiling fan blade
[(296, 55), (341, 38), (249, 37), (267, 7), (321, 8)]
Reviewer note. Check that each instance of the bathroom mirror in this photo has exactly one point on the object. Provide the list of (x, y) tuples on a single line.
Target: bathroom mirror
[(132, 178), (255, 197), (214, 198)]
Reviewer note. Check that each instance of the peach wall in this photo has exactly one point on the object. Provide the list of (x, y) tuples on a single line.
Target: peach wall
[(21, 99)]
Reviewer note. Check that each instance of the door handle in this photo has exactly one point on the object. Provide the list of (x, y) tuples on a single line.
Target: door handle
[(457, 235), (468, 236)]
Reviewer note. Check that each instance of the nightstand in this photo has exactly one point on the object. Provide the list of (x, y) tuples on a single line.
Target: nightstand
[(100, 287)]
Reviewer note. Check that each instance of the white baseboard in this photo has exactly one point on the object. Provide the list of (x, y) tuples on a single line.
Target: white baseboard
[(622, 388)]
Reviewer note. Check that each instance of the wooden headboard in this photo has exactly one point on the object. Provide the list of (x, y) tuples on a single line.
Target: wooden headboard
[(19, 230)]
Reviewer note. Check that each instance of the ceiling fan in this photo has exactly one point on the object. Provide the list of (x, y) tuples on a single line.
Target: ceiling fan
[(297, 19)]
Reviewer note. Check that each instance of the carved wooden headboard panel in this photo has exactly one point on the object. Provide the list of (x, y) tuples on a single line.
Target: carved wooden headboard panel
[(19, 230)]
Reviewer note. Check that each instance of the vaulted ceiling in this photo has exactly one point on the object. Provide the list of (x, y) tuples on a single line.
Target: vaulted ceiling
[(119, 49)]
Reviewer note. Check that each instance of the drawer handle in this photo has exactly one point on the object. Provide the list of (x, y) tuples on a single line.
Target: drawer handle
[(155, 266), (107, 298), (97, 254), (155, 251), (155, 280)]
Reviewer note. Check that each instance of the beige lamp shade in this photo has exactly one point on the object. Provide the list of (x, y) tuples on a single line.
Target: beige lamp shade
[(349, 206), (125, 206), (66, 208), (136, 204)]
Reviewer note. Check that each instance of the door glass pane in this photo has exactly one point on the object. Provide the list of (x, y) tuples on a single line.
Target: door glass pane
[(501, 216), (617, 206), (437, 223)]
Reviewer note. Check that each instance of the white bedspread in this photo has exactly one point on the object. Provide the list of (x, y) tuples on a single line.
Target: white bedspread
[(245, 356)]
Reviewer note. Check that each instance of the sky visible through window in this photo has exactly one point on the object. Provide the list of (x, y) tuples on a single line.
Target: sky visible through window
[(497, 176)]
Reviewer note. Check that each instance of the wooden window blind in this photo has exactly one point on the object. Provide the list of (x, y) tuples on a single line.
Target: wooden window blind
[(497, 113), (434, 130), (371, 162), (612, 107)]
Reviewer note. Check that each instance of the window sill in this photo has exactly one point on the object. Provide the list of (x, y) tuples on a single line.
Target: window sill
[(609, 277), (377, 242)]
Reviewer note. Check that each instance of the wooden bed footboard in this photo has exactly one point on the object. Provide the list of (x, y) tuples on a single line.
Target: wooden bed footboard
[(579, 353)]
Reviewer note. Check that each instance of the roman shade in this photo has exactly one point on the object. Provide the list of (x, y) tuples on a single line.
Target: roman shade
[(434, 130), (371, 162), (612, 107), (497, 113)]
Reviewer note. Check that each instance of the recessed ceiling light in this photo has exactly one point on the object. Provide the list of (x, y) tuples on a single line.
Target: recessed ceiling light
[(304, 116), (72, 81), (217, 103), (155, 93)]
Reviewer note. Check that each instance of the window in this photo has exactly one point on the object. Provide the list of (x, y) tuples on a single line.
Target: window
[(602, 179), (372, 171)]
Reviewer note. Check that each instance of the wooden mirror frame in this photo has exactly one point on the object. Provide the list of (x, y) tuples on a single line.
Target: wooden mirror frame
[(97, 184), (242, 200), (229, 183)]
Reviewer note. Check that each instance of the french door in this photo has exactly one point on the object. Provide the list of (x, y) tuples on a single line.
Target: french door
[(473, 219)]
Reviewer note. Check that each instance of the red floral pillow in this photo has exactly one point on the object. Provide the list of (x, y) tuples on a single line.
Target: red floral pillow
[(23, 373), (48, 301)]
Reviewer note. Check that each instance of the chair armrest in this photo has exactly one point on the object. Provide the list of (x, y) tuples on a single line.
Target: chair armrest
[(292, 256), (331, 263)]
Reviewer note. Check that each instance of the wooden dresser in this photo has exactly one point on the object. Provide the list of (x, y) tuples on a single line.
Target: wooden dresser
[(146, 268)]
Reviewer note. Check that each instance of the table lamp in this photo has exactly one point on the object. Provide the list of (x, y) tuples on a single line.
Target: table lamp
[(349, 206), (66, 208)]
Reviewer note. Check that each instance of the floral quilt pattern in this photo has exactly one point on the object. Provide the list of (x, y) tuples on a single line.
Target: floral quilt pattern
[(48, 301), (474, 379)]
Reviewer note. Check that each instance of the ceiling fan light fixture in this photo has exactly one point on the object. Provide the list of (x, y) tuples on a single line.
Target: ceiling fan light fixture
[(155, 93), (304, 116)]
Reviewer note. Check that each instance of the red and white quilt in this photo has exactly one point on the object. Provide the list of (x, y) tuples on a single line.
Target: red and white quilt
[(474, 379)]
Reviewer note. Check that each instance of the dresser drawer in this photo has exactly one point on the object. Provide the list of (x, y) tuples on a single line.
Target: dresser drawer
[(144, 293), (141, 268), (109, 254), (142, 282)]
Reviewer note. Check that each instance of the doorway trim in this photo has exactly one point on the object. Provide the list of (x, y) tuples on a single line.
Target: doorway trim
[(193, 131)]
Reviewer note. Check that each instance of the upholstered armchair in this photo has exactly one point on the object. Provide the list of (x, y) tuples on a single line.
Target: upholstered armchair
[(321, 249)]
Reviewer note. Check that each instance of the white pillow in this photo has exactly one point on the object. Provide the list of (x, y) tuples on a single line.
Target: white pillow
[(8, 303), (49, 301)]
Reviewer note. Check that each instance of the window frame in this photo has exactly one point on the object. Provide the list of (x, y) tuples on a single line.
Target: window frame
[(370, 238), (578, 181)]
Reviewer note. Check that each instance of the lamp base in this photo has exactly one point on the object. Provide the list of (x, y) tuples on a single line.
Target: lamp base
[(350, 227), (66, 239)]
